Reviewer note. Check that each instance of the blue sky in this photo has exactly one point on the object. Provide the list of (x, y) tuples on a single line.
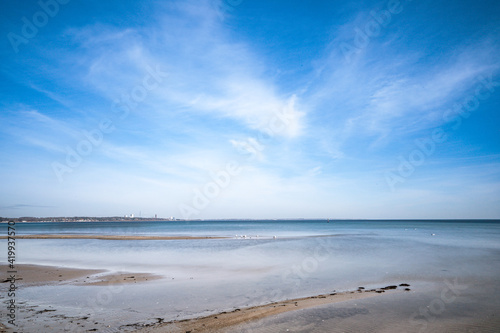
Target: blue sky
[(250, 109)]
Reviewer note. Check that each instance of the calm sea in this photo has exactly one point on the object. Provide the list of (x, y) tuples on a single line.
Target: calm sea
[(286, 228), (306, 258)]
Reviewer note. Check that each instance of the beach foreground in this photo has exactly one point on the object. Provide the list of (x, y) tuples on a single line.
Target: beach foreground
[(230, 320), (37, 275), (199, 277), (396, 309)]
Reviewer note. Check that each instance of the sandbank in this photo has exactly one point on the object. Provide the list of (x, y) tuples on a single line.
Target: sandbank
[(36, 275), (228, 319)]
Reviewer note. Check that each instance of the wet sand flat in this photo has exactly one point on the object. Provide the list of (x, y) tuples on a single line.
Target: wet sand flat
[(229, 285), (227, 320), (471, 310), (38, 275)]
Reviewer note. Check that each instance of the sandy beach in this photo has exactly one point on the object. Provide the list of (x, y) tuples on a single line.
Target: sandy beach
[(227, 320), (49, 317), (335, 279), (38, 275)]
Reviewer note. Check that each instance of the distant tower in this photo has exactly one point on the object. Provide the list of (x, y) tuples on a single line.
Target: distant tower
[(156, 216)]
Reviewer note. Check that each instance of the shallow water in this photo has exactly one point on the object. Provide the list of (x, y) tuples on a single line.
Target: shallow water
[(473, 309), (307, 258)]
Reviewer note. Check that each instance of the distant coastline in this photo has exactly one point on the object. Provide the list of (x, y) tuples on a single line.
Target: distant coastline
[(84, 219), (30, 219)]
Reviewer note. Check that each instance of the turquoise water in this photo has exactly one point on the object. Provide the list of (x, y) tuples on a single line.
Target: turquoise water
[(333, 247), (264, 228), (293, 239)]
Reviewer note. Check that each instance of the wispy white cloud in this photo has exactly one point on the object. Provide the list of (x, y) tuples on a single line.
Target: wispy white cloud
[(208, 73), (32, 127), (313, 147), (45, 145), (384, 98)]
